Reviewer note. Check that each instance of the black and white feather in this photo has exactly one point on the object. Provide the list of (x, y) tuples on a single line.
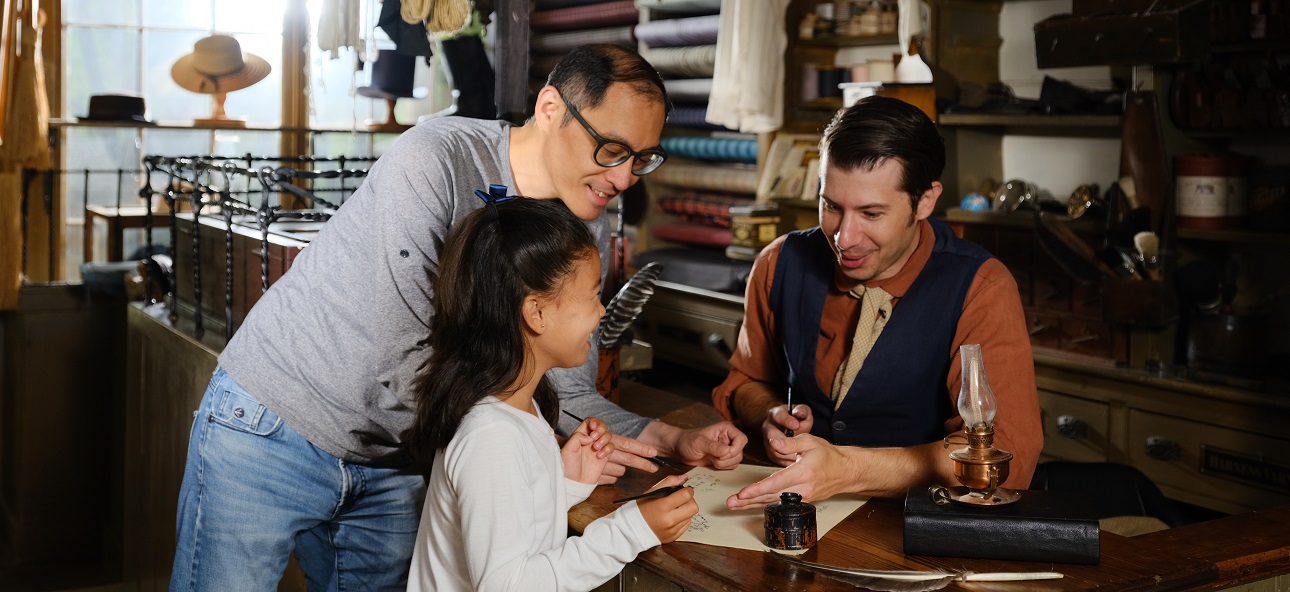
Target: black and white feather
[(911, 581), (627, 304)]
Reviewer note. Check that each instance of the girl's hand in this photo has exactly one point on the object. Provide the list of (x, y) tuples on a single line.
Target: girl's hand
[(669, 517), (587, 451)]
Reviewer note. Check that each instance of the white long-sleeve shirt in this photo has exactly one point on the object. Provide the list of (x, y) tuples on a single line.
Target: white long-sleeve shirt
[(496, 513)]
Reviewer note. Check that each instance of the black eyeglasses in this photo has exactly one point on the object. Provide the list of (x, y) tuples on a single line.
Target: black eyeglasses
[(611, 153)]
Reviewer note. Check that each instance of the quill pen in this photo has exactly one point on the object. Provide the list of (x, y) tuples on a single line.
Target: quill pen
[(627, 304), (912, 581)]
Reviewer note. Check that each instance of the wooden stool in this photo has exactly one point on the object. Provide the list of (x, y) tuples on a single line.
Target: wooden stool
[(118, 220)]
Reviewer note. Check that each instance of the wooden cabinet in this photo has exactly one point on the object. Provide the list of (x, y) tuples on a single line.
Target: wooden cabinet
[(1075, 428), (1215, 447)]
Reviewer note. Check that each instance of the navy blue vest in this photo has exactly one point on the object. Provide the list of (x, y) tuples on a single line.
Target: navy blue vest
[(899, 397)]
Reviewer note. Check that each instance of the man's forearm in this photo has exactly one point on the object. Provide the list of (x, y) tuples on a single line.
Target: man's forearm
[(890, 472), (751, 403)]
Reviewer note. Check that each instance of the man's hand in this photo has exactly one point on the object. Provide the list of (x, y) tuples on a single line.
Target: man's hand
[(779, 419), (627, 452), (587, 451), (820, 471), (720, 446)]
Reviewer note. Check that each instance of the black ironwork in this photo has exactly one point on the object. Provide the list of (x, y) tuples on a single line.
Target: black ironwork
[(192, 179)]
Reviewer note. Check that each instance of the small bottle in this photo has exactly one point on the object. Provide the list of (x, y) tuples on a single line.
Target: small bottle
[(869, 24), (790, 523), (887, 21), (806, 29)]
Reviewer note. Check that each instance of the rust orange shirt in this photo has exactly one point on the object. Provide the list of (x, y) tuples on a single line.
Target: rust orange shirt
[(992, 316)]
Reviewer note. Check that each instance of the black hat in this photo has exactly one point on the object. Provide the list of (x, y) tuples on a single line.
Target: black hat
[(117, 108), (392, 76)]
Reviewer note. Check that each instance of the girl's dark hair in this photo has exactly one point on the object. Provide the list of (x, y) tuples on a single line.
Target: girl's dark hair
[(492, 260), (877, 128), (584, 75)]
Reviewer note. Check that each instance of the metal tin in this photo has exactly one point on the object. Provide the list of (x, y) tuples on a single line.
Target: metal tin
[(790, 523)]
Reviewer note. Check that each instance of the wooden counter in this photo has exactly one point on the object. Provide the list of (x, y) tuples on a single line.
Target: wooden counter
[(1242, 549)]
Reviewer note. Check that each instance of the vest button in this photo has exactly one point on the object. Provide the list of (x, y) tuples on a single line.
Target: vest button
[(839, 426)]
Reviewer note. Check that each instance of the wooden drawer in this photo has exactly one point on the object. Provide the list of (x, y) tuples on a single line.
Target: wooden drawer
[(1216, 467), (692, 327), (1075, 429)]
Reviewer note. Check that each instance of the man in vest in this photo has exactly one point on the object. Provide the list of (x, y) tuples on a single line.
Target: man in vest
[(862, 318)]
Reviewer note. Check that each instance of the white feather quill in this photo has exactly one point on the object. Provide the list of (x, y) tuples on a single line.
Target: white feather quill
[(911, 581)]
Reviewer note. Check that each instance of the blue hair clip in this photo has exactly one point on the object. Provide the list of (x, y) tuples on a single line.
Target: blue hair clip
[(496, 194)]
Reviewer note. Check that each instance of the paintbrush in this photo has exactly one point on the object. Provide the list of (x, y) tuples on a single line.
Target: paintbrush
[(656, 460), (660, 492)]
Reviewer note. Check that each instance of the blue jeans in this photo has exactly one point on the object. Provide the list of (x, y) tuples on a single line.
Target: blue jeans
[(254, 491)]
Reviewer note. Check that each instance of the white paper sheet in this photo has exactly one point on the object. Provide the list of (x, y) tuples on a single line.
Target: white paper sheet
[(715, 524)]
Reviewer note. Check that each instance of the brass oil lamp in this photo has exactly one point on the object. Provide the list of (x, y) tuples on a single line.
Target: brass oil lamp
[(980, 467)]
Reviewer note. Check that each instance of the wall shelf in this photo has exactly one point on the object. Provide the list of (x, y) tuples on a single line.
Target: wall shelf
[(1033, 121), (860, 41), (188, 125), (1251, 237)]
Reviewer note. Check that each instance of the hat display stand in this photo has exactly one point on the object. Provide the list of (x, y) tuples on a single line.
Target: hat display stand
[(392, 77), (219, 118), (216, 67)]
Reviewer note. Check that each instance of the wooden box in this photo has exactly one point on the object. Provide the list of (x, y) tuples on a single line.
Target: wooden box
[(1163, 37)]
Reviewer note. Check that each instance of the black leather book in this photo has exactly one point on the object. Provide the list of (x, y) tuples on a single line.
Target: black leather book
[(1046, 526)]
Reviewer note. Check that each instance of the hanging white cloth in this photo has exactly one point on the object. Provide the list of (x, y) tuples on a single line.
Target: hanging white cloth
[(340, 25), (748, 78)]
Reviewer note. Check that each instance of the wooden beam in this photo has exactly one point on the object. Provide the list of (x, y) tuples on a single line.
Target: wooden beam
[(511, 57)]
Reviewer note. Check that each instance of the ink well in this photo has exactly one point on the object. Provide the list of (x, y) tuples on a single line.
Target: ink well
[(790, 523)]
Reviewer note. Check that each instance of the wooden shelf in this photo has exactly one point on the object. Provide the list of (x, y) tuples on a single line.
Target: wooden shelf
[(1236, 236), (837, 41), (830, 103), (1036, 121), (188, 125)]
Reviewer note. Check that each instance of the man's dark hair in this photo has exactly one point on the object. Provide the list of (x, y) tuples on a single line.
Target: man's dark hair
[(877, 128), (584, 75)]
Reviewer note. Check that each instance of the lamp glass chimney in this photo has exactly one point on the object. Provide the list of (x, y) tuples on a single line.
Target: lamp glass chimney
[(976, 401)]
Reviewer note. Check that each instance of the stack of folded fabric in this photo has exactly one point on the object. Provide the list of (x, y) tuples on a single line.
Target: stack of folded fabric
[(559, 26)]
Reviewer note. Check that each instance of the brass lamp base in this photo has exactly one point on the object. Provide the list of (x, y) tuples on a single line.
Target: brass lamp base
[(971, 497)]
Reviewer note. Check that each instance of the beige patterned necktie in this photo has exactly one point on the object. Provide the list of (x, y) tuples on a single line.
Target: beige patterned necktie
[(875, 309)]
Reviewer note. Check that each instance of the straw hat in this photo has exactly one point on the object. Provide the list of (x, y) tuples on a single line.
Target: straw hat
[(217, 65)]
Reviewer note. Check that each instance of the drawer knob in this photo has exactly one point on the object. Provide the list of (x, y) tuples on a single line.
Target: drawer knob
[(719, 343), (1162, 448), (1071, 426)]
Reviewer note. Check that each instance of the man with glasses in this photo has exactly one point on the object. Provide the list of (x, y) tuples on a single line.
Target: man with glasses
[(296, 446)]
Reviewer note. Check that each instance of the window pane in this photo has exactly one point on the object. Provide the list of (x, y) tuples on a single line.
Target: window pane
[(332, 103), (167, 100), (179, 14), (261, 103), (176, 142), (342, 144), (101, 12), (103, 149), (249, 16), (98, 61), (239, 142)]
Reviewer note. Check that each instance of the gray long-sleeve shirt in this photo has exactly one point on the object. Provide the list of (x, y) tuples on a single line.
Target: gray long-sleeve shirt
[(335, 345)]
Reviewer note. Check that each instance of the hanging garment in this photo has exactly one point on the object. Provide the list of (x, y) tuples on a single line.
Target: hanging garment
[(339, 26), (749, 98), (409, 39), (472, 76), (26, 140)]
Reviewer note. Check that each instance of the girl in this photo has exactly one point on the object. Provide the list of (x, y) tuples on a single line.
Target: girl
[(518, 293)]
